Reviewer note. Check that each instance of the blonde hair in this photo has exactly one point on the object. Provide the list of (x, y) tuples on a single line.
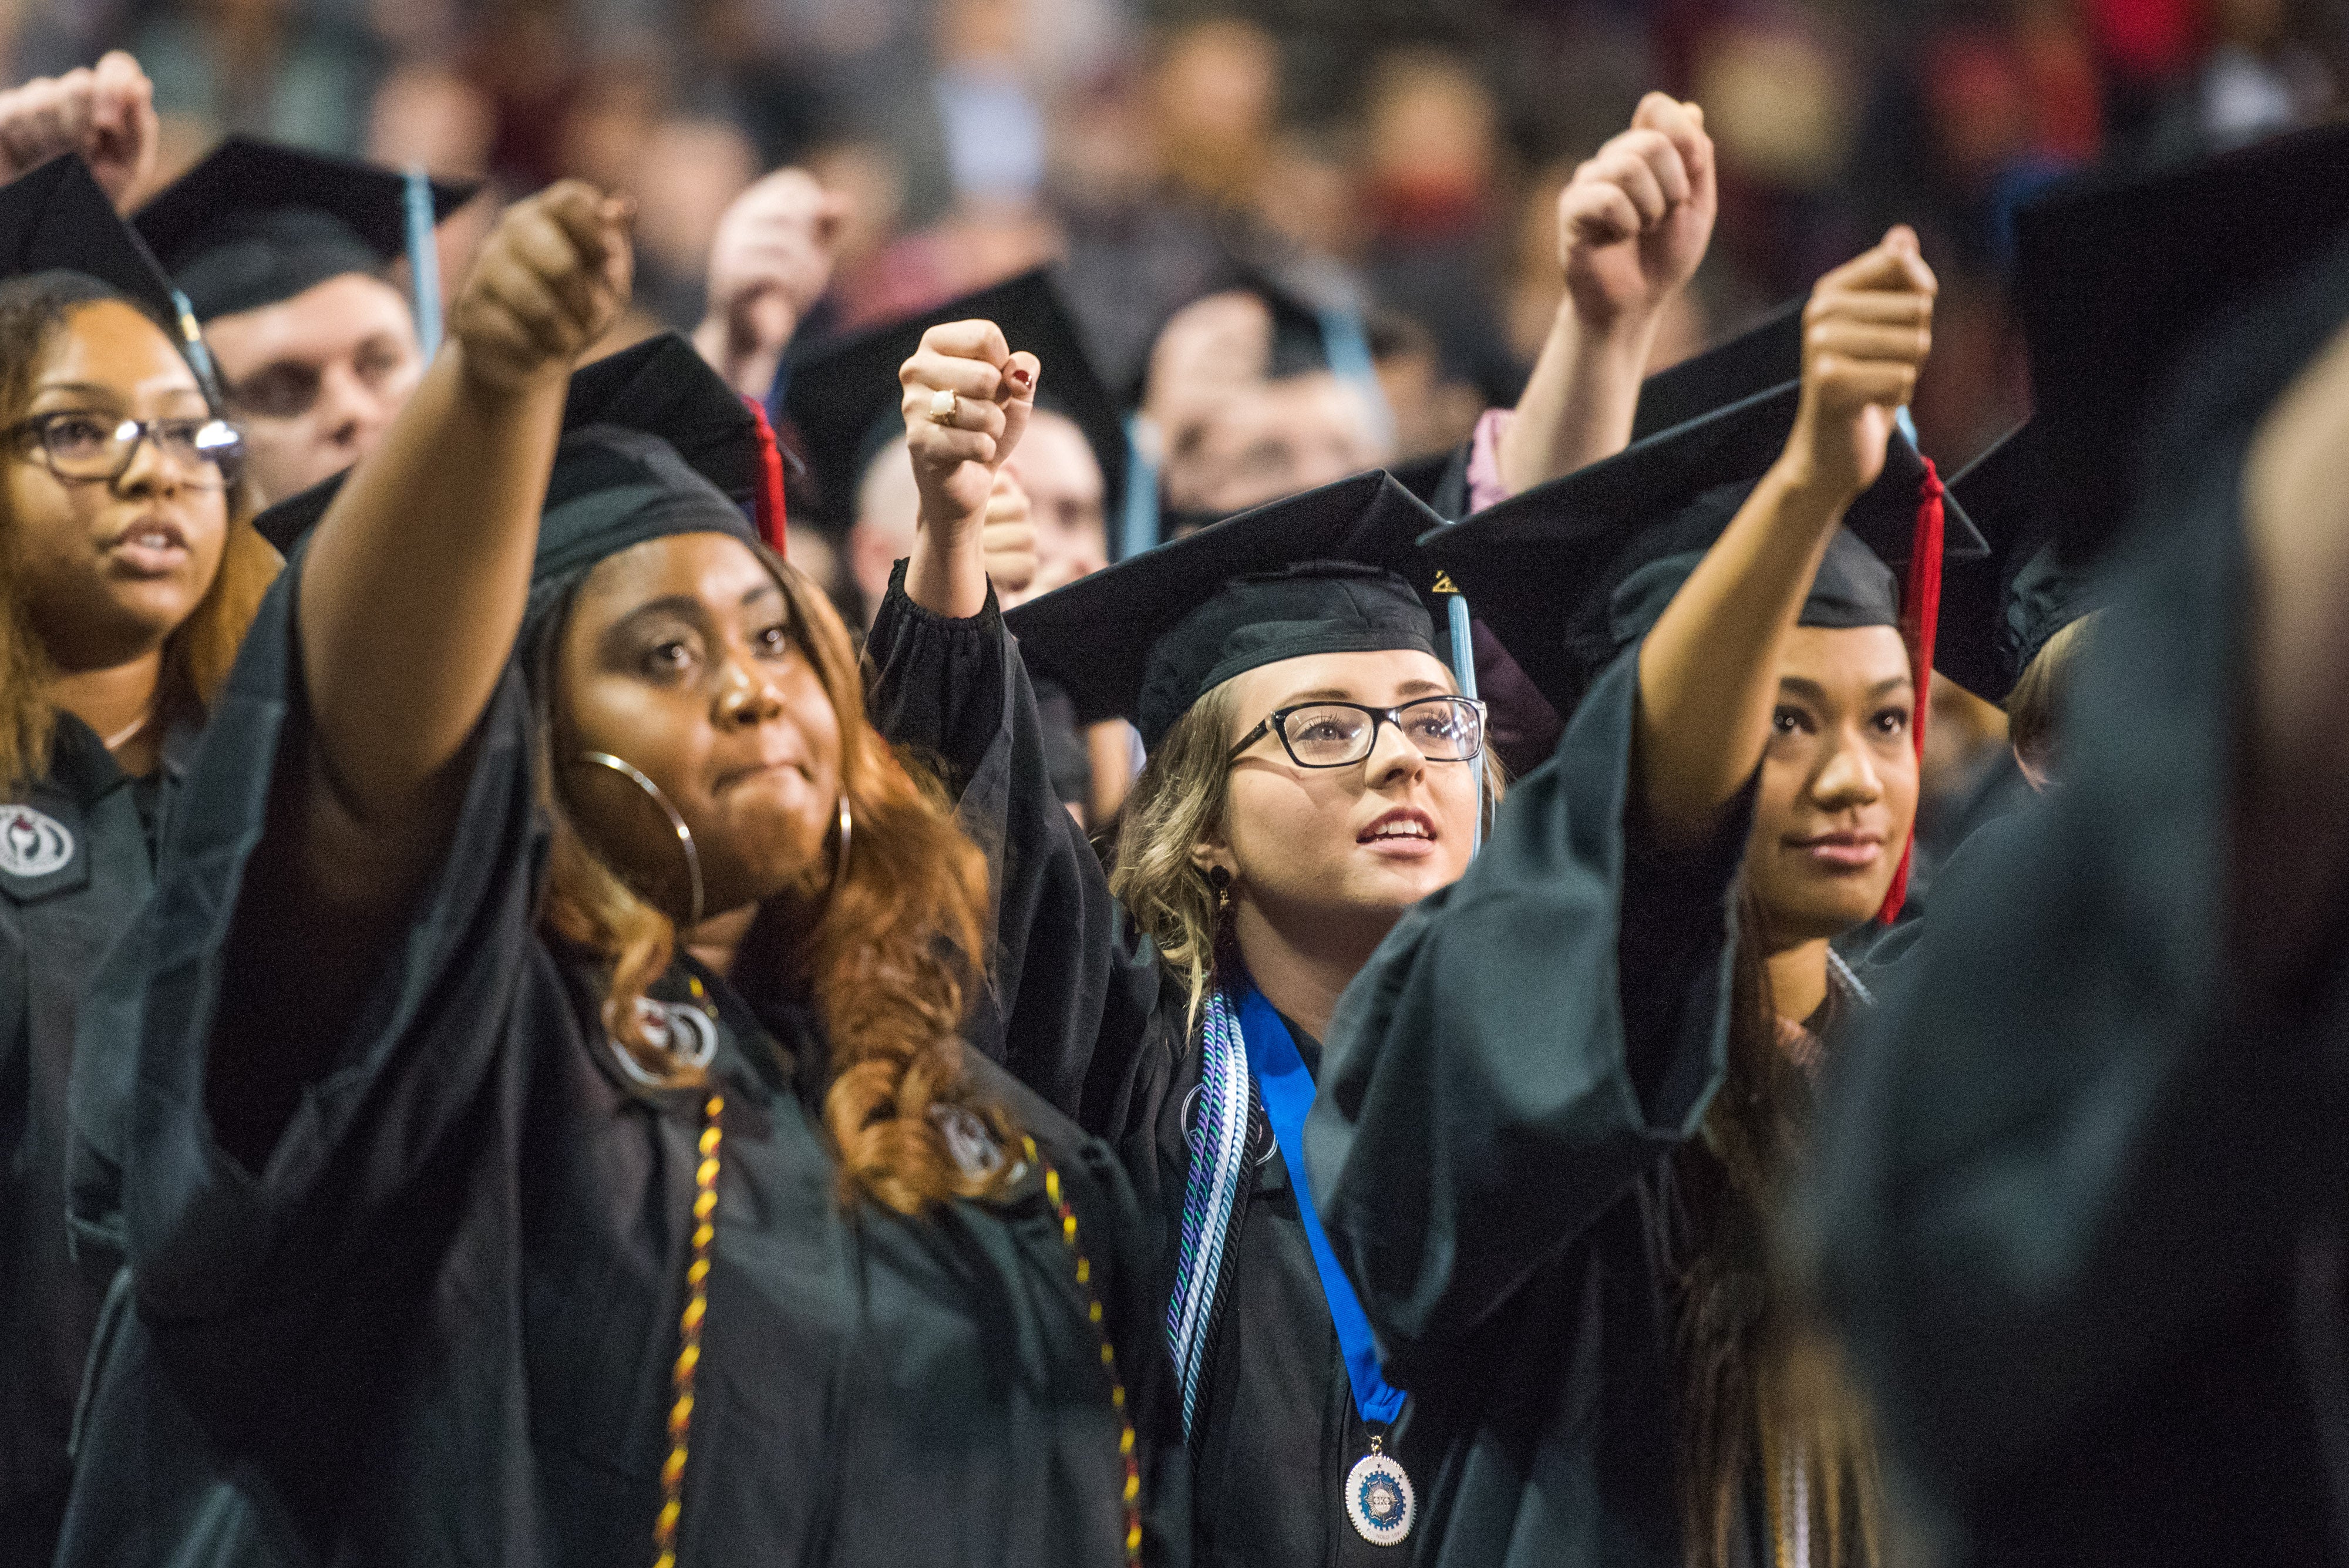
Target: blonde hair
[(200, 652), (1180, 800), (2035, 706), (886, 957)]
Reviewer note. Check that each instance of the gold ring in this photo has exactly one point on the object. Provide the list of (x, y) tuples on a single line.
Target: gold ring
[(943, 407)]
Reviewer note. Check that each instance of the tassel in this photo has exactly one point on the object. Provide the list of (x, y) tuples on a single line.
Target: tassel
[(1920, 614), (770, 514)]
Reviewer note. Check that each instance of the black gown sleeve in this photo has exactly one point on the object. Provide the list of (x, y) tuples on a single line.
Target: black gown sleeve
[(209, 1240), (1073, 988), (1524, 1044), (2067, 1174)]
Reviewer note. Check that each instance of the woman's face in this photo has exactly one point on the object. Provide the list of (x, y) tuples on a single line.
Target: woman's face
[(678, 659), (112, 569), (1342, 848), (1838, 786)]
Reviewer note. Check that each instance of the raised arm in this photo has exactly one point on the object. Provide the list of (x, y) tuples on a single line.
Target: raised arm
[(409, 597), (415, 580), (1632, 225), (955, 459), (1708, 670)]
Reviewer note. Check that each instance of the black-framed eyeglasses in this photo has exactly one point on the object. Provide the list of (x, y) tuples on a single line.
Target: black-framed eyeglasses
[(80, 447), (1335, 734)]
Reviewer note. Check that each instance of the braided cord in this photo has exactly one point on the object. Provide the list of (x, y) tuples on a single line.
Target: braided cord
[(688, 1350), (1067, 1218)]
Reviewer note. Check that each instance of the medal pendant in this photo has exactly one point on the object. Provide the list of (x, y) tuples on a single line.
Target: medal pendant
[(1379, 1498)]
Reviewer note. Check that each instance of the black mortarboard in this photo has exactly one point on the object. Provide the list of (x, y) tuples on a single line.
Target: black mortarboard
[(1570, 573), (1998, 612), (654, 443), (844, 396), (2114, 277), (255, 223), (1334, 570), (1765, 356), (57, 217)]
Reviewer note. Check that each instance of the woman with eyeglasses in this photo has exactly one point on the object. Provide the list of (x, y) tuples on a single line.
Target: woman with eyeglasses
[(553, 1142), (127, 572), (1313, 770)]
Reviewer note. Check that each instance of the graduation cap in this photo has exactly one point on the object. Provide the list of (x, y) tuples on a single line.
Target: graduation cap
[(844, 396), (680, 434), (255, 223), (1334, 570), (1998, 612), (2114, 276), (57, 217), (1571, 573), (1766, 355)]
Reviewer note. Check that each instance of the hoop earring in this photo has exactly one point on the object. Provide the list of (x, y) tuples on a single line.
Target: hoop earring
[(684, 835), (847, 831)]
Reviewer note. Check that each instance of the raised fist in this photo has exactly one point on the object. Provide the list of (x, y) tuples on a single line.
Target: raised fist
[(1633, 223), (957, 441), (105, 112), (1866, 333), (551, 279), (770, 260)]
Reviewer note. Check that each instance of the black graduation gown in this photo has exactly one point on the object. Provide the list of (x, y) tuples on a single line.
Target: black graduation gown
[(439, 1326), (76, 863), (1083, 1004), (1503, 1090), (2080, 1208)]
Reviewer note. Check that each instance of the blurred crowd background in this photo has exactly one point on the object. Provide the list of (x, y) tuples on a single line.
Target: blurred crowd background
[(1406, 152)]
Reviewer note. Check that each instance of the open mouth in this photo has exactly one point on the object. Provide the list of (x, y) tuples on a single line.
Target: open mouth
[(152, 546), (1405, 830)]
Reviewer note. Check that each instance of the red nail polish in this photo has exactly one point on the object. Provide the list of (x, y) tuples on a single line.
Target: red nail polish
[(1020, 378)]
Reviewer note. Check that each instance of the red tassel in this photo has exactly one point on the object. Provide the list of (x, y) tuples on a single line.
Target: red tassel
[(772, 519), (1920, 614)]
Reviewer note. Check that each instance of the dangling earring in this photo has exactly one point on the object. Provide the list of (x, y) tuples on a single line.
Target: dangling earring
[(1220, 879), (847, 830), (684, 835)]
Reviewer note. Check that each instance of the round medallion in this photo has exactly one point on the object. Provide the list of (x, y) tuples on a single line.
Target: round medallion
[(689, 1032), (32, 845), (1378, 1501)]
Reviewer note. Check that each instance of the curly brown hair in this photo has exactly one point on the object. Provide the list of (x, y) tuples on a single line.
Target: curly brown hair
[(887, 958), (197, 657)]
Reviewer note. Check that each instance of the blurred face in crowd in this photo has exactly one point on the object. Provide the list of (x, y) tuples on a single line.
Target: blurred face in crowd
[(1274, 439), (1326, 848), (1839, 785), (1067, 500), (111, 568), (888, 509), (314, 380)]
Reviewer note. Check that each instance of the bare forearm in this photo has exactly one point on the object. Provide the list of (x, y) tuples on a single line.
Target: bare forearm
[(1708, 673), (1578, 404), (947, 573), (416, 584)]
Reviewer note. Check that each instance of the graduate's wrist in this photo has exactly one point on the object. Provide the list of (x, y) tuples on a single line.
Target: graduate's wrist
[(1802, 490)]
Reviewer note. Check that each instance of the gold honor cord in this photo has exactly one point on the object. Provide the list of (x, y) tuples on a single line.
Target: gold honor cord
[(1067, 1218)]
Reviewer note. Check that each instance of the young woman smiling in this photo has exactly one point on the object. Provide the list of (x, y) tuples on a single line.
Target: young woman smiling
[(127, 571)]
